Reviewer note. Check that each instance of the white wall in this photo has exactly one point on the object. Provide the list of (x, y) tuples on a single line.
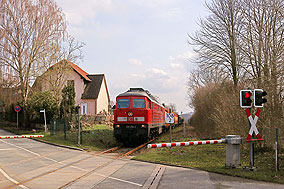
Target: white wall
[(103, 100)]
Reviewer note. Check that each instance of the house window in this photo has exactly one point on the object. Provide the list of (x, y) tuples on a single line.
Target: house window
[(84, 108)]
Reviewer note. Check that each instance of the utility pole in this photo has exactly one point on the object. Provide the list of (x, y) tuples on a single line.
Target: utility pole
[(183, 125)]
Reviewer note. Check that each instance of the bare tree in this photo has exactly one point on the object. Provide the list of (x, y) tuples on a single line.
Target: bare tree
[(216, 43), (31, 33), (263, 49), (246, 36), (58, 75), (72, 50), (54, 79), (172, 107), (201, 77)]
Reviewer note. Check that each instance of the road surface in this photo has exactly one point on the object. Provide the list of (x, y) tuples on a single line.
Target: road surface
[(26, 163)]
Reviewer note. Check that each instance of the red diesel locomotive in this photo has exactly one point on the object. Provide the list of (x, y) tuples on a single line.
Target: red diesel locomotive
[(138, 116)]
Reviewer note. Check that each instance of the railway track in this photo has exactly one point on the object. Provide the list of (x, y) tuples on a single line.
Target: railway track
[(117, 156), (107, 163)]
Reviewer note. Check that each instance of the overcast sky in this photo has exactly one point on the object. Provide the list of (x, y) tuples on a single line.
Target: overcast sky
[(137, 43)]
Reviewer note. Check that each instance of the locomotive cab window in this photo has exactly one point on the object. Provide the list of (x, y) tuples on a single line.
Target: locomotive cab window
[(123, 103), (148, 105), (138, 103)]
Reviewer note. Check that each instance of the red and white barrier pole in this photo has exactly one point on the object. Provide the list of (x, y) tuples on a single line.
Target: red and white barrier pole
[(21, 136), (190, 143)]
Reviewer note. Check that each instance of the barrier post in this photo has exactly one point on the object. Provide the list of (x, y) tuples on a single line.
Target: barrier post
[(232, 147), (233, 151)]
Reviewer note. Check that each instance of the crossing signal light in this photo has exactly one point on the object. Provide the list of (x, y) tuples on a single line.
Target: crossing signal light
[(246, 98), (258, 98)]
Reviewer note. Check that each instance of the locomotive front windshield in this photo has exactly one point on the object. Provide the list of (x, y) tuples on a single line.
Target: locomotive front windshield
[(123, 103), (138, 103)]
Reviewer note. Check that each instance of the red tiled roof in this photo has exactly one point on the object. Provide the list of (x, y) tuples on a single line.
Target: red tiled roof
[(78, 70)]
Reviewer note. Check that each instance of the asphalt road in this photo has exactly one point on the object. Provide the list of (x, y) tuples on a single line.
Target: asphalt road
[(25, 163)]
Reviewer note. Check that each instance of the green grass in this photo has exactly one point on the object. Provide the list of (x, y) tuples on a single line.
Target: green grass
[(96, 137), (212, 158)]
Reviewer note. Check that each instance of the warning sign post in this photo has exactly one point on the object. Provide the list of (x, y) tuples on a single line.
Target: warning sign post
[(253, 129), (170, 119), (246, 99), (17, 109)]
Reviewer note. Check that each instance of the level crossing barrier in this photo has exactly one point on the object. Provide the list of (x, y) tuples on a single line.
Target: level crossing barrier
[(21, 136), (232, 147), (190, 143)]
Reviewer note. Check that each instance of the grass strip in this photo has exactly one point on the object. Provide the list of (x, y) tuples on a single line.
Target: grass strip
[(96, 138), (212, 158)]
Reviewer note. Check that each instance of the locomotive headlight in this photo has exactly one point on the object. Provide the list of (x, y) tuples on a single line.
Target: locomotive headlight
[(142, 126), (117, 126)]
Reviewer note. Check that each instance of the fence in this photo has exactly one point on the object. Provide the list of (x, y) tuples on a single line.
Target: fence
[(269, 137), (58, 127), (91, 135), (267, 149)]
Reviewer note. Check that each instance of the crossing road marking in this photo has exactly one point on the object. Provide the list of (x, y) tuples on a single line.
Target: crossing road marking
[(21, 148), (11, 179), (7, 149), (22, 186)]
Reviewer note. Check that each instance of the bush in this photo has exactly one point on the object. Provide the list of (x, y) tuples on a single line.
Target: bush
[(43, 100), (218, 113), (204, 101)]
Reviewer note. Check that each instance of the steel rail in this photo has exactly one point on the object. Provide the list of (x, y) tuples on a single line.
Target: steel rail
[(105, 164)]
